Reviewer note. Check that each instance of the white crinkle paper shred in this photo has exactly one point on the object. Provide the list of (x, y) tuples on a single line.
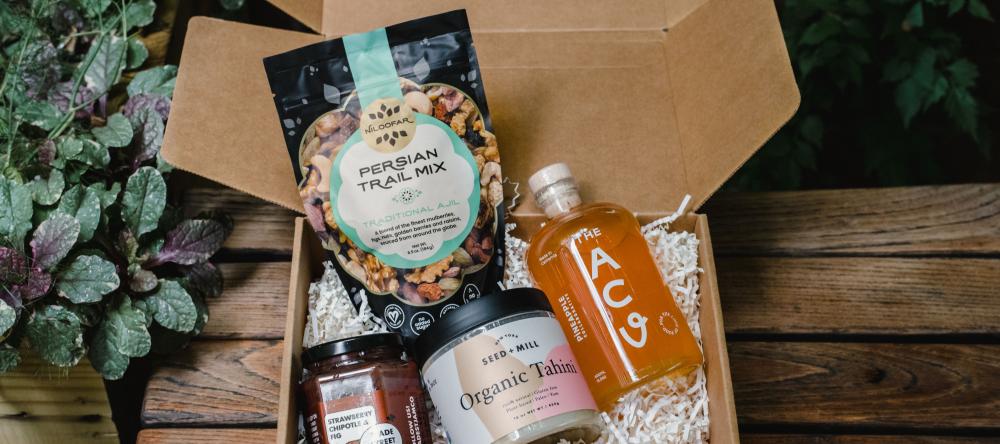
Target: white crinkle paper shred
[(668, 410)]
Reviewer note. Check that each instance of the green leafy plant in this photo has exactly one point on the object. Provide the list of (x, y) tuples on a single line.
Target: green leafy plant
[(93, 260), (883, 85)]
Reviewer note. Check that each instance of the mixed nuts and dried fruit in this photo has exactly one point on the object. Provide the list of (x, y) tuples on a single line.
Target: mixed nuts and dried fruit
[(397, 165)]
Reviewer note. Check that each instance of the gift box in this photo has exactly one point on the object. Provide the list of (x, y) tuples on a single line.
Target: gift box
[(647, 101)]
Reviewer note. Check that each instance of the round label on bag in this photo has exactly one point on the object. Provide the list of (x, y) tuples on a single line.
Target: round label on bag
[(409, 206)]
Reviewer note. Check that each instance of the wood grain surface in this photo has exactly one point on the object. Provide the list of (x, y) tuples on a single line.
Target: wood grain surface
[(253, 303), (939, 220), (216, 383), (207, 436), (760, 438), (925, 387), (955, 219), (259, 226), (41, 403), (902, 386), (853, 317), (860, 295), (228, 436)]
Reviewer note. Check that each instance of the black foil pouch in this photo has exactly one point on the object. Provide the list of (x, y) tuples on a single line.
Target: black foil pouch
[(394, 155)]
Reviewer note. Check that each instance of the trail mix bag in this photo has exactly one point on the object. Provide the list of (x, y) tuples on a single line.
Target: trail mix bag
[(393, 151)]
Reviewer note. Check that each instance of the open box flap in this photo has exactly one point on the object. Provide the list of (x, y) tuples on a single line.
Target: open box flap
[(642, 115), (342, 17), (223, 124), (309, 12)]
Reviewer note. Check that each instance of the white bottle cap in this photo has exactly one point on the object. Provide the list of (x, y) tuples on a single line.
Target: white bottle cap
[(548, 176), (554, 189)]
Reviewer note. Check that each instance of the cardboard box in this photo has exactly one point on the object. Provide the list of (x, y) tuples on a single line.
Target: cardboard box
[(646, 100)]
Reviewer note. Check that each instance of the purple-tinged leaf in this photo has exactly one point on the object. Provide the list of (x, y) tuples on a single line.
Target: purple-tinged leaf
[(149, 127), (38, 284), (62, 93), (203, 278), (13, 266), (192, 241), (137, 104), (53, 239), (40, 68)]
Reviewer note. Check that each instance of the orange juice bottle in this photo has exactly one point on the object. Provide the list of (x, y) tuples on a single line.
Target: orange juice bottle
[(600, 277)]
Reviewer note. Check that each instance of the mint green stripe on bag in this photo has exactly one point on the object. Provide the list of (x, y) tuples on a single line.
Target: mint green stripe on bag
[(372, 67)]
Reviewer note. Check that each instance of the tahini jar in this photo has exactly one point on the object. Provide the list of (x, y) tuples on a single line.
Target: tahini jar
[(499, 370)]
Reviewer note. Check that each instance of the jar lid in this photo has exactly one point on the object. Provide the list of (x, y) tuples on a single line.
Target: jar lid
[(475, 313), (354, 344)]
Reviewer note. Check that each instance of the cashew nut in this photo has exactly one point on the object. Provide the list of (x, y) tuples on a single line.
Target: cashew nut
[(418, 101), (322, 164), (490, 171)]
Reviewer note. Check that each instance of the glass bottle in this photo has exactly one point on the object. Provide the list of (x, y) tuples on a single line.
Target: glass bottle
[(596, 268)]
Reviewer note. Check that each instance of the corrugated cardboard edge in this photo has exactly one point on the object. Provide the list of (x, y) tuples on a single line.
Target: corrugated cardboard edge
[(723, 425), (307, 257), (304, 259)]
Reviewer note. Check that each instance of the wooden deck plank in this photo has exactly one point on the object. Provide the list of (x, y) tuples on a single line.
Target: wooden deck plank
[(938, 220), (946, 220), (41, 403), (860, 295), (252, 306), (259, 226), (216, 383), (207, 436), (866, 296), (759, 438), (249, 436), (920, 387)]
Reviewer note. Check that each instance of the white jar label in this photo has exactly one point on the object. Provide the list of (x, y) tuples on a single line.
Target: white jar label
[(382, 434), (348, 425), (505, 379)]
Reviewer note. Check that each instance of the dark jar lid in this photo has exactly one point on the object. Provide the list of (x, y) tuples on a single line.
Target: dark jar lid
[(354, 344), (476, 313)]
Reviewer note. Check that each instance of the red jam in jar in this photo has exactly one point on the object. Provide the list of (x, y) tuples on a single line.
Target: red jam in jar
[(363, 390)]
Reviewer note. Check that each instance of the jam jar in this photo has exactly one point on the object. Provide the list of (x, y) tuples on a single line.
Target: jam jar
[(363, 390)]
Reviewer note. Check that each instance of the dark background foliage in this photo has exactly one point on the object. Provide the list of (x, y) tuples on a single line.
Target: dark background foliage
[(894, 92)]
